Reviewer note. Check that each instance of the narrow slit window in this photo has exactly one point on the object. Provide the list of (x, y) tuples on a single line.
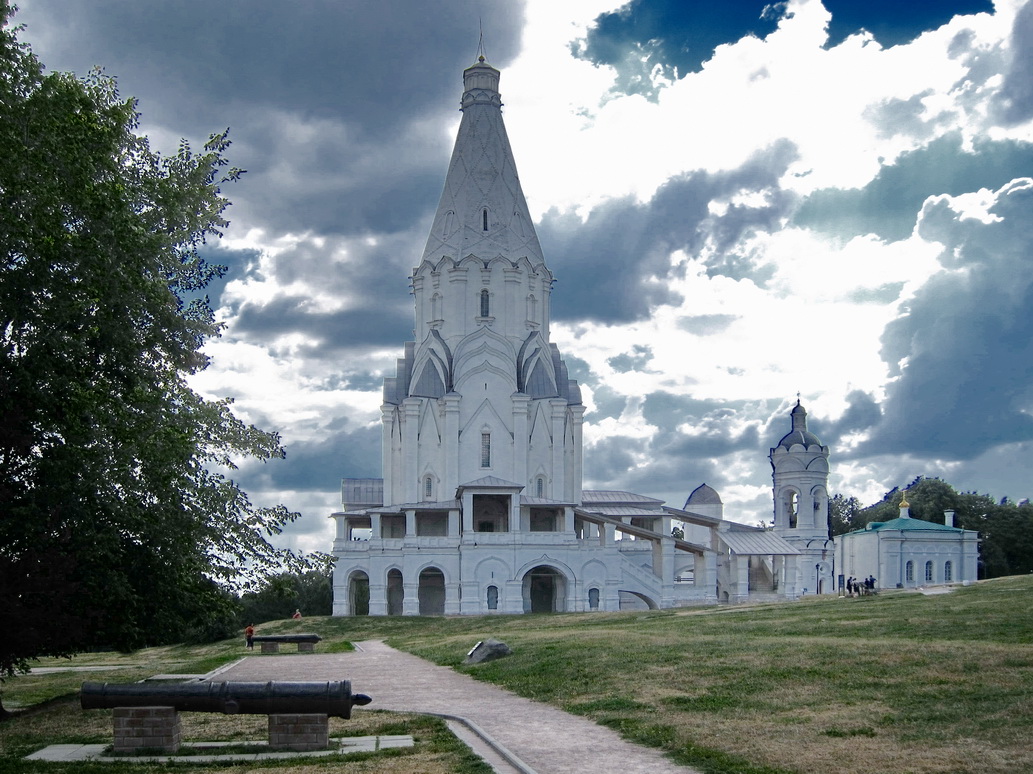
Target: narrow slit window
[(484, 218), (428, 488), (485, 450), (485, 305)]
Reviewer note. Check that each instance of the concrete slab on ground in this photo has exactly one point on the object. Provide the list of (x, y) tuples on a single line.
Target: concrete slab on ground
[(95, 752)]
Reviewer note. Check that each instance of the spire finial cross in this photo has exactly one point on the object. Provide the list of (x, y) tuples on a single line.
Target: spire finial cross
[(480, 40)]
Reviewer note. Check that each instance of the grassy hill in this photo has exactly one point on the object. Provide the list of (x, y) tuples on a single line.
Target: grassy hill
[(901, 682)]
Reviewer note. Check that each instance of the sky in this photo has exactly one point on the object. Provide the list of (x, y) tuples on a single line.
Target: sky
[(742, 202)]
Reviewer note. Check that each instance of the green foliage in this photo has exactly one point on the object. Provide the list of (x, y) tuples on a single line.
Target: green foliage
[(843, 512), (1005, 528), (117, 527), (281, 595)]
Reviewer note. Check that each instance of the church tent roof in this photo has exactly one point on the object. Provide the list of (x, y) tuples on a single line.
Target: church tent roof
[(754, 542), (626, 510), (527, 500), (615, 496)]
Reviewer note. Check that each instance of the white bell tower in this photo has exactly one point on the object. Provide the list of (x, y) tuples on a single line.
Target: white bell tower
[(800, 474)]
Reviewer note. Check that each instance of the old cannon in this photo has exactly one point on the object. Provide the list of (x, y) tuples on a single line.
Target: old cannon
[(147, 716), (333, 698)]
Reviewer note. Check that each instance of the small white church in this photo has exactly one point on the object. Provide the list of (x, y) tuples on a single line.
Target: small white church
[(481, 508)]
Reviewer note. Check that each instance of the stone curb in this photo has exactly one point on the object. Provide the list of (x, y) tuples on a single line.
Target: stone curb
[(485, 737)]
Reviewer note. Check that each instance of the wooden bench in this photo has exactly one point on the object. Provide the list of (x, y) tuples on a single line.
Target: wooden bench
[(271, 642)]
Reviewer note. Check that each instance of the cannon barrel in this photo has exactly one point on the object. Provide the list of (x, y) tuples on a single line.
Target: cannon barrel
[(333, 698), (313, 638)]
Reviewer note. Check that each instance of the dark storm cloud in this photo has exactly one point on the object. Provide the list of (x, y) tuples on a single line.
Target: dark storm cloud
[(374, 65), (888, 206), (862, 414), (636, 360), (376, 308), (892, 22), (336, 332), (608, 460), (328, 104), (609, 404), (1015, 99), (711, 422), (961, 352), (626, 246), (674, 469), (673, 479), (324, 178), (319, 465), (676, 35), (234, 265)]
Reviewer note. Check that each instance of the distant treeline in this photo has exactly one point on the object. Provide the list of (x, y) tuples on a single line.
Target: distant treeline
[(1005, 528)]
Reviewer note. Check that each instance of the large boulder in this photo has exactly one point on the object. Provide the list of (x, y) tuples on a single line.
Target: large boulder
[(487, 650)]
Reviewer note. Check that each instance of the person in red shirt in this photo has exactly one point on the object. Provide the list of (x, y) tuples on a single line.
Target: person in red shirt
[(249, 636)]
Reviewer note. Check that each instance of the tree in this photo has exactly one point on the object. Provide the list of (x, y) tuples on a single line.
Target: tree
[(1005, 529), (119, 524), (843, 513), (311, 592)]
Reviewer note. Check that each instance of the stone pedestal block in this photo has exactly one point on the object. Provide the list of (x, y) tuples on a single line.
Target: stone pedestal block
[(306, 647), (270, 647), (147, 728), (299, 732)]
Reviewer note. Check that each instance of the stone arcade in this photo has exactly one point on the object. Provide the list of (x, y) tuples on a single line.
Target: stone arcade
[(480, 508)]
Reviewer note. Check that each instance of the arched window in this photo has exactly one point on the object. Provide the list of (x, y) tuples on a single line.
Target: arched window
[(485, 303), (948, 572), (539, 486), (493, 598), (532, 308), (792, 506), (909, 572), (484, 219), (593, 599), (428, 488), (485, 450), (928, 571)]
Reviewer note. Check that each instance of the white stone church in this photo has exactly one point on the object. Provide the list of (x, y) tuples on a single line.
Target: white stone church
[(480, 509)]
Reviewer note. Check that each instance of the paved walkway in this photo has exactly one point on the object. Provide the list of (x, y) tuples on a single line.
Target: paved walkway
[(531, 737)]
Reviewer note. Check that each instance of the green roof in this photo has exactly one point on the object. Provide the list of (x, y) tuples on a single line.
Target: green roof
[(909, 524)]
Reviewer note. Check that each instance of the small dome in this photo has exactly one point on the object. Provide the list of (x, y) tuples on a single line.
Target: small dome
[(803, 437), (703, 495), (799, 434)]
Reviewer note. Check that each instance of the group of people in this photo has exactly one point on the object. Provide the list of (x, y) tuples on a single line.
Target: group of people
[(860, 587)]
